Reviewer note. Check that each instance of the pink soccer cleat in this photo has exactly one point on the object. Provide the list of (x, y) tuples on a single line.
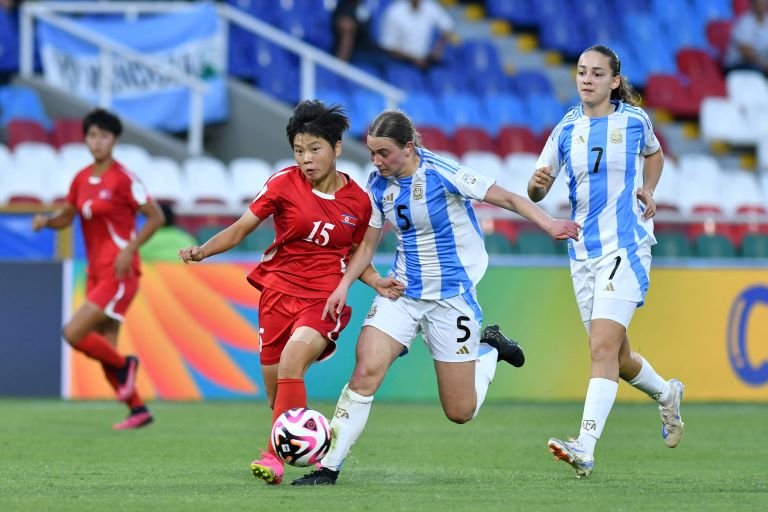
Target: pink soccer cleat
[(268, 468), (135, 420)]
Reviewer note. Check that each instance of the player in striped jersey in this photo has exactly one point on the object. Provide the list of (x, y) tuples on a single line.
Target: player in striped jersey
[(612, 162), (440, 259)]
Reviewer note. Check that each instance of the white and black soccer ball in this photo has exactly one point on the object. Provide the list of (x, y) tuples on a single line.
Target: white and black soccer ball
[(301, 437)]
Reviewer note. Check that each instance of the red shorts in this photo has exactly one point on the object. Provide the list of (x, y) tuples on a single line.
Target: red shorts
[(281, 314), (111, 295)]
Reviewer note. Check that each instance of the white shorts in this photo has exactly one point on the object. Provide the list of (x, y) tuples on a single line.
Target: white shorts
[(451, 327), (622, 275)]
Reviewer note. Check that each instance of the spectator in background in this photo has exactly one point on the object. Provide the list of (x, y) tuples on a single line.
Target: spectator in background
[(164, 244), (353, 38), (748, 48), (408, 31)]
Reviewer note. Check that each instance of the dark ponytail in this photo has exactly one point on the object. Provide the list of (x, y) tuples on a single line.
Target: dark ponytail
[(624, 92)]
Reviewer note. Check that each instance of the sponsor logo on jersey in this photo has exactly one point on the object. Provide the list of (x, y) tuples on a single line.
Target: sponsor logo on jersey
[(589, 425), (388, 198), (463, 351), (468, 179), (418, 191), (609, 287), (349, 219), (372, 312), (580, 140), (616, 136)]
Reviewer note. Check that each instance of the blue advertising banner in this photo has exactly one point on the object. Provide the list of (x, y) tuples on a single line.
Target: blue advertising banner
[(19, 242), (191, 41)]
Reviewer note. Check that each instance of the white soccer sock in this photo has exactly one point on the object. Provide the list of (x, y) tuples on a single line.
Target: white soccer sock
[(485, 369), (650, 382), (348, 422), (601, 394)]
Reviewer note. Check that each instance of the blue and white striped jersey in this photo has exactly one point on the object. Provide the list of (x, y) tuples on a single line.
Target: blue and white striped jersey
[(603, 161), (440, 250)]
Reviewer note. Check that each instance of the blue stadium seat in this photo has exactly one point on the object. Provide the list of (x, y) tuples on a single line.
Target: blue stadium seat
[(714, 9), (19, 102), (544, 112), (424, 110), (631, 66), (504, 109), (558, 34), (464, 110), (262, 9), (480, 56), (406, 77), (366, 105), (519, 12), (531, 81), (9, 42), (446, 80), (686, 32)]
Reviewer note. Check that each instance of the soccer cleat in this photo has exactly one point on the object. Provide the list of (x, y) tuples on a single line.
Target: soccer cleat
[(126, 377), (509, 351), (321, 476), (571, 452), (268, 468), (136, 419), (671, 423)]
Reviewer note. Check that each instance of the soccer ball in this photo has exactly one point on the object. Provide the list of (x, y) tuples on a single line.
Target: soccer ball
[(301, 437)]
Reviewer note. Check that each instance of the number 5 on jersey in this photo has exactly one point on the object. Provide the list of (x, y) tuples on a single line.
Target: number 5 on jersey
[(323, 237)]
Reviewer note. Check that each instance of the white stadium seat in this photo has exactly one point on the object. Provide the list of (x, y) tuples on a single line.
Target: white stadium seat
[(248, 177), (208, 182), (722, 120), (743, 80)]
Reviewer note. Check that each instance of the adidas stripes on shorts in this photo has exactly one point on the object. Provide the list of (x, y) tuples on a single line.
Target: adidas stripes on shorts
[(619, 276), (451, 327)]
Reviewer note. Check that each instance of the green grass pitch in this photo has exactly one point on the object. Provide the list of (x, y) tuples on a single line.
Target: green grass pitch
[(64, 456)]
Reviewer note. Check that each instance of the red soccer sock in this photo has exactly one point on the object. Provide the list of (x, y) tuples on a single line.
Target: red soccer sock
[(134, 400), (290, 393), (96, 346)]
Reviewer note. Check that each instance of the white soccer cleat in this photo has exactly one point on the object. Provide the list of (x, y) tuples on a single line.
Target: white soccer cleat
[(571, 452), (671, 422)]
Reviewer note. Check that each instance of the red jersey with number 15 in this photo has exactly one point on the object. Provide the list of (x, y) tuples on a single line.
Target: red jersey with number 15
[(314, 234), (107, 205)]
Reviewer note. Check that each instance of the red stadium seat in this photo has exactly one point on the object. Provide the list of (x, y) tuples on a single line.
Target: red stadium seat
[(668, 93), (698, 65), (740, 7), (25, 130), (719, 35), (434, 138), (517, 139), (469, 138), (67, 130)]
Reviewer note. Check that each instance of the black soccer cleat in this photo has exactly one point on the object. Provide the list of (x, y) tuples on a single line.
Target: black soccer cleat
[(509, 350), (322, 476)]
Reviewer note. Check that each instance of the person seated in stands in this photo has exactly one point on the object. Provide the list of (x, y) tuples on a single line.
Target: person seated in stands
[(165, 243), (353, 38), (408, 31), (748, 48)]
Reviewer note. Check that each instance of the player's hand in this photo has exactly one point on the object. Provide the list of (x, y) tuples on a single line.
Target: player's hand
[(335, 303), (38, 222), (123, 264), (389, 287), (560, 229), (542, 177), (193, 253), (646, 198)]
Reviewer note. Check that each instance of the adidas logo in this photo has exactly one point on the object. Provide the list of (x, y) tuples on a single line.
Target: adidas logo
[(389, 197), (609, 287), (463, 350), (580, 140)]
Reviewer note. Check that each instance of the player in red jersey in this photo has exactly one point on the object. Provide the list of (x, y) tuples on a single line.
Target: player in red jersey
[(107, 198), (320, 217)]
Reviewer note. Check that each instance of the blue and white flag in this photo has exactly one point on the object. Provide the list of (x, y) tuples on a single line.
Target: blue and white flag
[(192, 41)]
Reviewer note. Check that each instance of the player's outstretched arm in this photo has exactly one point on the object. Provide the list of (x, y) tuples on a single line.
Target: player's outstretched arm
[(59, 220), (358, 263), (222, 241), (559, 229)]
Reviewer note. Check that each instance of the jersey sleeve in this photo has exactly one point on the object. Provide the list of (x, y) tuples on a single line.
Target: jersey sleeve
[(267, 200), (550, 155), (652, 144), (470, 183), (138, 195), (375, 188)]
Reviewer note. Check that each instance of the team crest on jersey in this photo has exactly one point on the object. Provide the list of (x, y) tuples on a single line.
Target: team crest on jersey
[(348, 219), (617, 137), (372, 312), (418, 191)]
